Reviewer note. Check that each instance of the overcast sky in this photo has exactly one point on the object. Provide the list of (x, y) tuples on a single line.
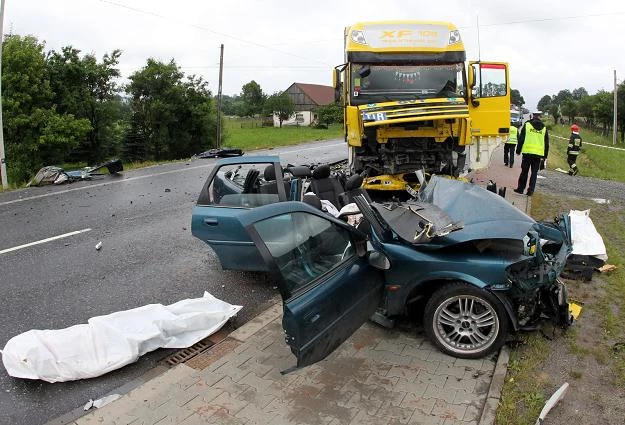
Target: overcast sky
[(550, 45)]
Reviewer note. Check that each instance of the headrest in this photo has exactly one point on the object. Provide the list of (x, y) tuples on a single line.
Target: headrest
[(312, 200), (299, 171), (353, 182), (270, 173), (321, 172)]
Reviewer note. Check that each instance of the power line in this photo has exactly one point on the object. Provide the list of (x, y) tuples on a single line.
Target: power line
[(146, 12), (562, 18)]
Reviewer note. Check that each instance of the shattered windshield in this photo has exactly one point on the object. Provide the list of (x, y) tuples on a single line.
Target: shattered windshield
[(384, 83)]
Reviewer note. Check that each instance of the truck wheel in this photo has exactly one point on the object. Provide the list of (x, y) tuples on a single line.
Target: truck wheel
[(465, 321)]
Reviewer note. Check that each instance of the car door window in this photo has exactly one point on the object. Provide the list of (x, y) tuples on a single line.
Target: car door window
[(304, 246)]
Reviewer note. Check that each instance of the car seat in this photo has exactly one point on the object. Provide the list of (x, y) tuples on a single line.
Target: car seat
[(326, 186)]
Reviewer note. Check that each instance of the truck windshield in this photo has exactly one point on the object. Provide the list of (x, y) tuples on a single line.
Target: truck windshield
[(384, 83)]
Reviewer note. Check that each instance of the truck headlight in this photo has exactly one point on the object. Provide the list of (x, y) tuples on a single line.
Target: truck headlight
[(454, 37), (358, 36)]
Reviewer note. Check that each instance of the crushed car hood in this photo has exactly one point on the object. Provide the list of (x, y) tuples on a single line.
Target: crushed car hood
[(485, 215), (472, 213)]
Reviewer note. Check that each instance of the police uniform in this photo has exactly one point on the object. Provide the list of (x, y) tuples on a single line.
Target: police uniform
[(533, 143), (509, 146), (573, 149)]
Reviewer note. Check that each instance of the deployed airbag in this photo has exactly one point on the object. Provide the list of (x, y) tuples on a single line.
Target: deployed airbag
[(109, 342)]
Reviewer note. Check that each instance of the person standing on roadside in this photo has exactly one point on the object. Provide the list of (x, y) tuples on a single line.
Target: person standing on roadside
[(573, 149), (533, 143), (508, 147)]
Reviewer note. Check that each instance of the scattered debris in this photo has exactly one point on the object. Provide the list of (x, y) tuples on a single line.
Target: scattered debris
[(167, 190), (560, 170), (56, 175), (218, 153), (98, 246), (101, 402), (553, 400), (600, 200), (606, 268)]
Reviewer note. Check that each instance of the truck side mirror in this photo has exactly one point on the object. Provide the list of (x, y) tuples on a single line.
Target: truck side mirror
[(336, 83)]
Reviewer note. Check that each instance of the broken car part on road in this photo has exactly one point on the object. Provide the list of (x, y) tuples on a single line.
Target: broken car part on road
[(469, 263), (57, 175)]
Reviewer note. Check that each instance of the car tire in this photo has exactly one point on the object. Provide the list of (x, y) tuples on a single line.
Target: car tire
[(477, 331)]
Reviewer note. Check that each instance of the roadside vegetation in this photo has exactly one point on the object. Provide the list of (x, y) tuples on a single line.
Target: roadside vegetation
[(68, 107), (248, 134), (591, 354), (594, 161)]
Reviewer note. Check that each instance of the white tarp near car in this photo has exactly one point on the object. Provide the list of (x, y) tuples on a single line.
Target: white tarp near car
[(109, 342), (586, 239)]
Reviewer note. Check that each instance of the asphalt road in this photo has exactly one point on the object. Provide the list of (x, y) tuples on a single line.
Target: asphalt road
[(148, 256)]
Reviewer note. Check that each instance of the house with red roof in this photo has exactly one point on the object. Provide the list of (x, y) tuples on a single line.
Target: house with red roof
[(307, 98)]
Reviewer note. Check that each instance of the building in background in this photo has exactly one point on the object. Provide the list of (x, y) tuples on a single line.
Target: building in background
[(306, 98)]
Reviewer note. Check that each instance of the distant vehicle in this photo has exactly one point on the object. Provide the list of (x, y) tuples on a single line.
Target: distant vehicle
[(516, 117), (473, 281)]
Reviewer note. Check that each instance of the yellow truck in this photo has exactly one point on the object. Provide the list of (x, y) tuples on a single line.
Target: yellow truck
[(412, 103)]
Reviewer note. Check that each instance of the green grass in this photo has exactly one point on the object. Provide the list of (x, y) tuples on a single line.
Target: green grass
[(593, 161), (247, 134)]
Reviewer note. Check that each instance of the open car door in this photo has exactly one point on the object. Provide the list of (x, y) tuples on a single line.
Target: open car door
[(327, 285), (489, 98), (231, 190)]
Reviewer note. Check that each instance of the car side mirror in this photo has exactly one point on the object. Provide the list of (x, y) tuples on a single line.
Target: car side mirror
[(378, 260)]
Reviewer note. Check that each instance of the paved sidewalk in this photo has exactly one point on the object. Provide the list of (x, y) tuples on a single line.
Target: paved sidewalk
[(378, 376)]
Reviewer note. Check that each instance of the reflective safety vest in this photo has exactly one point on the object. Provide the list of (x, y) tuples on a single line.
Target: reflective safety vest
[(512, 139), (575, 143), (534, 142)]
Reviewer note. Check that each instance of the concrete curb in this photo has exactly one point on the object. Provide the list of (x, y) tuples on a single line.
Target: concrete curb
[(489, 413)]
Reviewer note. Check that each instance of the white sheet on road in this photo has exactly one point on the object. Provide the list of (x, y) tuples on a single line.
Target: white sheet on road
[(586, 239), (109, 342)]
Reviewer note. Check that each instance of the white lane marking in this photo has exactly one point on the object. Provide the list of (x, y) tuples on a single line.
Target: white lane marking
[(591, 144), (53, 238), (60, 192)]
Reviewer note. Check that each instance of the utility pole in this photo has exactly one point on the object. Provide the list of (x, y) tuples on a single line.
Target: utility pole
[(221, 71), (3, 165), (615, 112)]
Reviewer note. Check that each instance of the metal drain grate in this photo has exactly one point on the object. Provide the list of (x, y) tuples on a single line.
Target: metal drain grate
[(189, 352)]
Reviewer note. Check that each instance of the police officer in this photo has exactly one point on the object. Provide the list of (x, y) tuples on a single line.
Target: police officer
[(575, 145), (533, 143), (508, 147)]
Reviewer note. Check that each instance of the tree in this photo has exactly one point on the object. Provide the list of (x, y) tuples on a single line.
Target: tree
[(562, 96), (281, 105), (36, 134), (516, 98), (579, 93), (171, 118), (569, 109), (603, 109), (586, 109), (330, 114), (85, 88), (554, 111), (253, 99), (544, 102)]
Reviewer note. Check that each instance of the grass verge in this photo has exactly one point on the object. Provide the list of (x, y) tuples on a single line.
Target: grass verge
[(593, 161)]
